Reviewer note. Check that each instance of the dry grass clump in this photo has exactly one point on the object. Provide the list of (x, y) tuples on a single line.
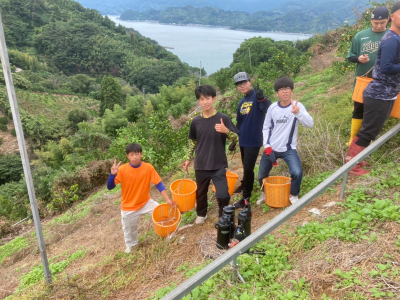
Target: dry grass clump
[(318, 266), (320, 148)]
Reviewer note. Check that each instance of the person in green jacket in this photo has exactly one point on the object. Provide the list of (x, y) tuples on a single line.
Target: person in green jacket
[(363, 51)]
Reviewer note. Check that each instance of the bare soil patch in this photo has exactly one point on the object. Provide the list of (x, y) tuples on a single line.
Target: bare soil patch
[(323, 58)]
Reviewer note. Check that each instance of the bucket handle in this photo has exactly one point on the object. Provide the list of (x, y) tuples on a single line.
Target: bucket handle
[(169, 215), (184, 177), (230, 161), (290, 181)]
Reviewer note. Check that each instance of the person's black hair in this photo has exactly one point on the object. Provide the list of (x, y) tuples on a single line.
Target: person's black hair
[(283, 82), (134, 147), (205, 90)]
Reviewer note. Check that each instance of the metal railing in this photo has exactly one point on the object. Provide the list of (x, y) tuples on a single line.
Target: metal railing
[(231, 255)]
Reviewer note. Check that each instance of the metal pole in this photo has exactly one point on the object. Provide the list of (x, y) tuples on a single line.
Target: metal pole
[(22, 149), (343, 185), (250, 60), (200, 75)]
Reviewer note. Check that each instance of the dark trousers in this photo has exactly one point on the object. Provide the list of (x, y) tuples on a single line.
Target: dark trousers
[(249, 158), (203, 179), (376, 112), (358, 111)]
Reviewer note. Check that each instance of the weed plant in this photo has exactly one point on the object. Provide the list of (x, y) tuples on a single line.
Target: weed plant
[(37, 274), (12, 247)]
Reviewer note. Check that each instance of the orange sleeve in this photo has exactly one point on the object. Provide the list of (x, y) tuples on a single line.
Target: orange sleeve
[(155, 178)]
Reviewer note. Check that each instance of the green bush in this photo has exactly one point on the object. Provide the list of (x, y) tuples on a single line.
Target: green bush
[(3, 128), (13, 133), (4, 120), (10, 168), (162, 146)]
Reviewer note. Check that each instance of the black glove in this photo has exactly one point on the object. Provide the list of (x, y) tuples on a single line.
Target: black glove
[(232, 146), (259, 93)]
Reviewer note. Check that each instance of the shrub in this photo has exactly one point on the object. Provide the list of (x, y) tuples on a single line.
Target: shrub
[(13, 133), (162, 146), (10, 168), (3, 128), (4, 120)]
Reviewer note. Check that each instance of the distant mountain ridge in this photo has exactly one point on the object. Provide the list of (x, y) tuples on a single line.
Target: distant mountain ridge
[(294, 16), (119, 6)]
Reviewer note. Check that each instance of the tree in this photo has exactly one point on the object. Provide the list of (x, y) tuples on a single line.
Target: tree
[(81, 84), (134, 108), (76, 116), (10, 168), (148, 109), (114, 120), (110, 94)]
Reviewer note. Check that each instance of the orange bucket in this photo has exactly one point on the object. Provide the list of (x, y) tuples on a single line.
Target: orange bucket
[(231, 178), (184, 194), (361, 84), (396, 108), (277, 191), (165, 219)]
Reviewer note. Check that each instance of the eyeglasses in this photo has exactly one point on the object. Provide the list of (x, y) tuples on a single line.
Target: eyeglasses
[(241, 83), (284, 89)]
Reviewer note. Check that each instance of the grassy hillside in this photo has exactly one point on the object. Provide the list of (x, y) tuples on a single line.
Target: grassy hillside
[(350, 251), (337, 255)]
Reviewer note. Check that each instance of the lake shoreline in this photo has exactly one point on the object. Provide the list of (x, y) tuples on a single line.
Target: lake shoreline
[(214, 26), (213, 47)]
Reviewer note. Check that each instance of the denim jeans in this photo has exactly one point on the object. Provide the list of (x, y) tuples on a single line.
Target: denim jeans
[(292, 160)]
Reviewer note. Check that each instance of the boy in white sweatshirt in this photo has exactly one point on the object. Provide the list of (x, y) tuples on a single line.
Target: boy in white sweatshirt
[(280, 135)]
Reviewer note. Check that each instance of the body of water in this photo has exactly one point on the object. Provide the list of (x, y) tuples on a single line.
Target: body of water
[(214, 47)]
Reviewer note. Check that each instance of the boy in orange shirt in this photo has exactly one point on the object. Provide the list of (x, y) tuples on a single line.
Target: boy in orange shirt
[(135, 178)]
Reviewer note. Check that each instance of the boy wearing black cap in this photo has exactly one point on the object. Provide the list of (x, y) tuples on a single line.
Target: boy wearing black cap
[(249, 121), (363, 52), (380, 94)]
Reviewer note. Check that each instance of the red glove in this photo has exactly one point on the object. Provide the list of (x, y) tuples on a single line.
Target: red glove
[(268, 151)]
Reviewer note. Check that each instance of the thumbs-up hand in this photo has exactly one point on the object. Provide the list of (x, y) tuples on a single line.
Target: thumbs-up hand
[(221, 127)]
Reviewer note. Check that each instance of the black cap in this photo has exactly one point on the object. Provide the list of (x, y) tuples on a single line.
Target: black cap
[(380, 13), (395, 7)]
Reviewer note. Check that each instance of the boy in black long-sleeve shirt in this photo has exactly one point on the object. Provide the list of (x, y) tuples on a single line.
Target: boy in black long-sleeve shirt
[(207, 137)]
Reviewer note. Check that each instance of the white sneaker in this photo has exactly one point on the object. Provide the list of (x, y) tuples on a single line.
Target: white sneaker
[(128, 249), (200, 220), (261, 199), (293, 199)]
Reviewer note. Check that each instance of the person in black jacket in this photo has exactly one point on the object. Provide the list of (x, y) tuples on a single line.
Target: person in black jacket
[(250, 117)]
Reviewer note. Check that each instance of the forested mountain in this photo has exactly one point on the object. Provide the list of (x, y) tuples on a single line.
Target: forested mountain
[(304, 16), (79, 79), (119, 6), (74, 39)]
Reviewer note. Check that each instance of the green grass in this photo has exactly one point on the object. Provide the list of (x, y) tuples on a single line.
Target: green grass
[(80, 211), (37, 274), (10, 248)]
